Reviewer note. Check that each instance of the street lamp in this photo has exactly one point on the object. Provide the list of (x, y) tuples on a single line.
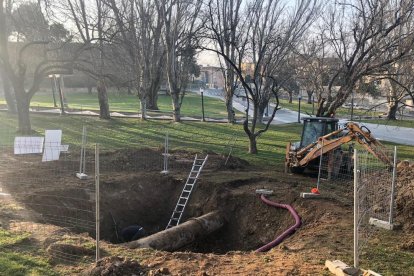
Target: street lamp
[(299, 98), (202, 104), (313, 105)]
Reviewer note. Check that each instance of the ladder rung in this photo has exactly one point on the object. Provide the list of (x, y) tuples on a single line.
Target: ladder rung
[(187, 191), (180, 204)]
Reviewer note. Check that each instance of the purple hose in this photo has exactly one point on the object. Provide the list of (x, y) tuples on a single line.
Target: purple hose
[(285, 234)]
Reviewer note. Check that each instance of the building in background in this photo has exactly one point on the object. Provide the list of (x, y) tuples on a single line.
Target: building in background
[(211, 76)]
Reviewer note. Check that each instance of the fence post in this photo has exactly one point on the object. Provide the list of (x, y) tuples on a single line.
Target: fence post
[(320, 167), (97, 220), (394, 175), (356, 211), (166, 154)]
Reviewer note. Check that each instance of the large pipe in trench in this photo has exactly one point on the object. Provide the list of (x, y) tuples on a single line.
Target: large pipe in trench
[(176, 237)]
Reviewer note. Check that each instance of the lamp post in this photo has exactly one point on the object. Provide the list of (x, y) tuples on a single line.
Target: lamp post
[(313, 105), (299, 98), (202, 104), (52, 80)]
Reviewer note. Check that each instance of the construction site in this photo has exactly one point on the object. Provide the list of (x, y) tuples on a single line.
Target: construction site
[(204, 213)]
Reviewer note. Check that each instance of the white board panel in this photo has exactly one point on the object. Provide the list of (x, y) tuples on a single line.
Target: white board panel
[(53, 139), (28, 145)]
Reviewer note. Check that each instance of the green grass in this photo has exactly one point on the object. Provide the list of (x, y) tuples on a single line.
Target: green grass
[(384, 254), (193, 136), (21, 262), (129, 103), (7, 239)]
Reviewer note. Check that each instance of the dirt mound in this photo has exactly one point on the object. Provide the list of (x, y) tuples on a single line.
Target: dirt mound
[(147, 159), (405, 195), (132, 159), (115, 266)]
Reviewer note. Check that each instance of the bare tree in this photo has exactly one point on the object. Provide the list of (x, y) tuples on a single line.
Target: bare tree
[(7, 87), (34, 61), (364, 36), (224, 31), (181, 25), (91, 24), (401, 78), (268, 35)]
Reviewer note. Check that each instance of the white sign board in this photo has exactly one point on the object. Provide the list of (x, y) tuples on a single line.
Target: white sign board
[(28, 145), (53, 140)]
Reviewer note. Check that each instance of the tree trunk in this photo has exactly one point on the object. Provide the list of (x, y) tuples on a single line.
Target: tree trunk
[(229, 93), (104, 112), (90, 89), (230, 112), (8, 95), (392, 110), (310, 93), (183, 234), (152, 102), (176, 106), (290, 97), (252, 144), (23, 106), (143, 106)]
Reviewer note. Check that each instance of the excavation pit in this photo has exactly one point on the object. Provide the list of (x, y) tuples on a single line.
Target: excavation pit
[(133, 191)]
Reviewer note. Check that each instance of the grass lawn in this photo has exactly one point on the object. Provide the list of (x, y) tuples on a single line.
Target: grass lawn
[(129, 103), (194, 136), (18, 259)]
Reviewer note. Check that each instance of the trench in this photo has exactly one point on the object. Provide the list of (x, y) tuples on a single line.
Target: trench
[(131, 195), (249, 223)]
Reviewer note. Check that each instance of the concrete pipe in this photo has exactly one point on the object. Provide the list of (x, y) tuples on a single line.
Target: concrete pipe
[(181, 235)]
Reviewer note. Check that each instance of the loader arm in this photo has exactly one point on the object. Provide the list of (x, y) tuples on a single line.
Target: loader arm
[(355, 133)]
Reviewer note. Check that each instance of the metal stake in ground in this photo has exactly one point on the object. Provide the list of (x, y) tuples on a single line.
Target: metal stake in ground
[(97, 196), (315, 191), (82, 165), (166, 154)]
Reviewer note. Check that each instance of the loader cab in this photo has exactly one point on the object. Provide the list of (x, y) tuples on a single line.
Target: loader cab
[(315, 127)]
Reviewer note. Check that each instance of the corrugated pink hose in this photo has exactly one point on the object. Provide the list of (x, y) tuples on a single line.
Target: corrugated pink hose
[(285, 234)]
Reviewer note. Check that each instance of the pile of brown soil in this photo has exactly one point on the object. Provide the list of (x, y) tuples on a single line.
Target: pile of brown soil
[(147, 159), (115, 266), (405, 195)]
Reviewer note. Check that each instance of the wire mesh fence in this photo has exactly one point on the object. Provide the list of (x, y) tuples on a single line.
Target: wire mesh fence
[(49, 203), (374, 191), (50, 183)]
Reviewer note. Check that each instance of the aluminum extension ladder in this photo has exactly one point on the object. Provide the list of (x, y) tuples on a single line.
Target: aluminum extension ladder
[(198, 165)]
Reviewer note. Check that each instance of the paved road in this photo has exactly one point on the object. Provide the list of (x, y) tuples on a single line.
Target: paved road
[(400, 135)]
